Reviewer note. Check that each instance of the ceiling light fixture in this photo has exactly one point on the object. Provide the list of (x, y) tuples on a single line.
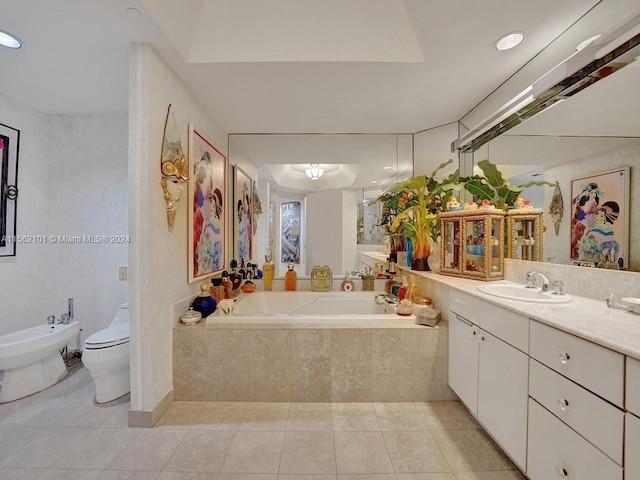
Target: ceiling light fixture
[(9, 40), (587, 41), (387, 167), (509, 41), (315, 172)]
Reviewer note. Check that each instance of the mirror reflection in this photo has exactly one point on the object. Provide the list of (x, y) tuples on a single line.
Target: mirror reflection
[(333, 216), (595, 131)]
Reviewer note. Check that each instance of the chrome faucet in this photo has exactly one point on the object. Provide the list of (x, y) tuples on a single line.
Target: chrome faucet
[(387, 297), (64, 318), (51, 319), (531, 276)]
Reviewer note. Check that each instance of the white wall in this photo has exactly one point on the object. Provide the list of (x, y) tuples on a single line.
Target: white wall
[(625, 156), (72, 182), (331, 229), (433, 147), (157, 257)]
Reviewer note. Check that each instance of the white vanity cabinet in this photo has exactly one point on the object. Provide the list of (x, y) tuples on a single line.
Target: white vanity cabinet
[(632, 421), (489, 371), (576, 420)]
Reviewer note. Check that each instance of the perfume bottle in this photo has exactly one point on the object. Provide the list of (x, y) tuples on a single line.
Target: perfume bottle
[(268, 270), (290, 279)]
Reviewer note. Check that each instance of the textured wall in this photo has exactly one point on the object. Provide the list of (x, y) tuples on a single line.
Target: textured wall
[(72, 182)]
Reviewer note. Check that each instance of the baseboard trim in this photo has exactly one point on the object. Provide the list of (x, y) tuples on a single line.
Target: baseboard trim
[(148, 418)]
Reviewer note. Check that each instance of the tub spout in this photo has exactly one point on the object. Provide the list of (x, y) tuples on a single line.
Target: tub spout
[(386, 297)]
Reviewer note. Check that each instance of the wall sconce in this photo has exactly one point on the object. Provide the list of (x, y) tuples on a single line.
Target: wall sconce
[(315, 172), (174, 167)]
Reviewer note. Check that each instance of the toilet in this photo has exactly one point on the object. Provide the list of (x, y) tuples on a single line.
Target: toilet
[(106, 355)]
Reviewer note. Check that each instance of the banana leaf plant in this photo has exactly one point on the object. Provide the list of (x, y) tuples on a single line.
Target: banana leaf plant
[(415, 205), (494, 188)]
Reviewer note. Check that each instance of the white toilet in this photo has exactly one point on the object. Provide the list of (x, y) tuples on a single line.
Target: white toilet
[(106, 356)]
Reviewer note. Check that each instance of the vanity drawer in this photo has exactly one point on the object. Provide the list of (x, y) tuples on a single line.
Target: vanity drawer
[(556, 451), (598, 421), (594, 367), (632, 400), (506, 325), (465, 305)]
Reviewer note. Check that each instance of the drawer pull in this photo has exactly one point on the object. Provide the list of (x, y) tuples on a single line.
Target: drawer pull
[(563, 403), (562, 472), (481, 339), (473, 332), (564, 358)]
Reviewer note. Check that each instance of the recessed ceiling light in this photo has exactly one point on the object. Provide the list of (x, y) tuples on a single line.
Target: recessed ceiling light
[(509, 41), (586, 42), (374, 181), (387, 167), (8, 40)]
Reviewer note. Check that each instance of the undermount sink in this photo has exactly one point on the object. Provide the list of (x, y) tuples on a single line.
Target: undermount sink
[(516, 291)]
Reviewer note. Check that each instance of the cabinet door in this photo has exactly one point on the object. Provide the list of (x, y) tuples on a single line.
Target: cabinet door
[(502, 395), (463, 361), (632, 447)]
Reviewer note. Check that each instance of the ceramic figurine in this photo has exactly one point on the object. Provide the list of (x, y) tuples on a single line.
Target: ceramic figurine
[(486, 204), (453, 205), (470, 205)]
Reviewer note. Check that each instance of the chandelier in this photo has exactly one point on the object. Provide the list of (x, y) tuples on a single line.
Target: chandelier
[(315, 172)]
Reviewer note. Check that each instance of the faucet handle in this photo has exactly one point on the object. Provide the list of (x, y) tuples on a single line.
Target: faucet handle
[(64, 318), (51, 319)]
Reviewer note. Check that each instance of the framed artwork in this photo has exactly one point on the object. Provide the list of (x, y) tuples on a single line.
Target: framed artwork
[(600, 219), (9, 146), (207, 217), (243, 216), (290, 234)]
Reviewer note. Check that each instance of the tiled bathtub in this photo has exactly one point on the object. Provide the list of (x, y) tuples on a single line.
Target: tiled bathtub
[(310, 362)]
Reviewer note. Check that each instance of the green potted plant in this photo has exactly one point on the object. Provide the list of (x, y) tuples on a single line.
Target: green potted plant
[(414, 206)]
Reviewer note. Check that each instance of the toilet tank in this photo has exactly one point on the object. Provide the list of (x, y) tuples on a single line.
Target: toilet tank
[(122, 315)]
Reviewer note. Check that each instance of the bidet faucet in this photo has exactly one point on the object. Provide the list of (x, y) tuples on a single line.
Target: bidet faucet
[(531, 276)]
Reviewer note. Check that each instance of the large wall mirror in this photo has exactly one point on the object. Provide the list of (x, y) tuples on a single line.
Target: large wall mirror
[(592, 132), (355, 168)]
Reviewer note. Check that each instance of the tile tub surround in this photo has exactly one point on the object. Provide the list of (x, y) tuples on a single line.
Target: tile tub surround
[(307, 363)]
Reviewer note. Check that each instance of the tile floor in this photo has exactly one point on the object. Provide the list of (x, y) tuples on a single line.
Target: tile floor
[(60, 434)]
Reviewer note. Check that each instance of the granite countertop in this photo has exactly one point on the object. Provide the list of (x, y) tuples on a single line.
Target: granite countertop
[(584, 317), (587, 318)]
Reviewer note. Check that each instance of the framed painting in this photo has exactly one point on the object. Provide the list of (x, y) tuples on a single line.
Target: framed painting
[(600, 219), (207, 217), (243, 216), (9, 146), (290, 232)]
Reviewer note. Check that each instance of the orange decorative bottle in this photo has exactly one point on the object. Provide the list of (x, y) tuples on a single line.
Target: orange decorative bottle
[(290, 279)]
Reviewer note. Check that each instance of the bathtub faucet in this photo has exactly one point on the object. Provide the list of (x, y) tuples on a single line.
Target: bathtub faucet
[(64, 318), (386, 297)]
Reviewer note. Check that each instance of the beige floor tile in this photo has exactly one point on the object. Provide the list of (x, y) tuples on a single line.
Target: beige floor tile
[(398, 416), (308, 452), (254, 452), (91, 414), (201, 451), (312, 417), (247, 476), (293, 476), (55, 474), (21, 473), (221, 415), (97, 449), (37, 410), (426, 476), (446, 416), (415, 452), (186, 476), (181, 414), (469, 451), (150, 450), (504, 475), (36, 447), (362, 452), (271, 417), (368, 476), (128, 475), (354, 417)]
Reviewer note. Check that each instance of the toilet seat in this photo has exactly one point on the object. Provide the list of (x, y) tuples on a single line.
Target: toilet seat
[(109, 337)]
